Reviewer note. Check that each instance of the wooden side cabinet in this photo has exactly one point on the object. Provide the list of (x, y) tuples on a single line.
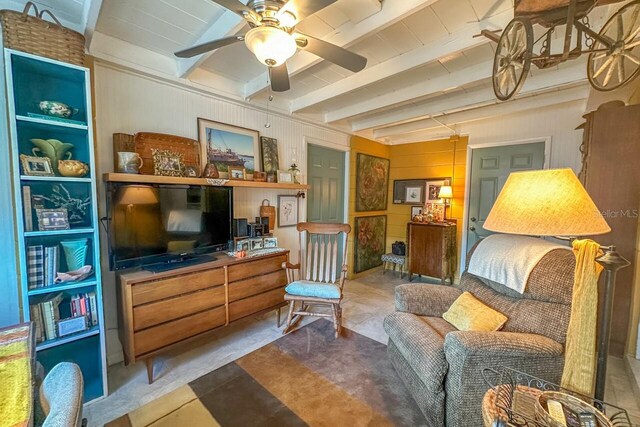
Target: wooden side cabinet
[(432, 250), (159, 311)]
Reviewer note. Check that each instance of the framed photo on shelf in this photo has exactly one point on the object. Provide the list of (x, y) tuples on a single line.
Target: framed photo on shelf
[(167, 163), (243, 245), (36, 166), (269, 151), (228, 146), (256, 244), (287, 211), (236, 173), (52, 219), (416, 210), (270, 242), (191, 172), (413, 195), (285, 177)]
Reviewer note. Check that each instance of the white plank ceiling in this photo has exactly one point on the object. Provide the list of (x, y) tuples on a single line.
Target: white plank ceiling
[(423, 58)]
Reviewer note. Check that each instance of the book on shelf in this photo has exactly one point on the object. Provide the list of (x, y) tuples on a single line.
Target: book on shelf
[(36, 318), (53, 314), (50, 265), (28, 213), (35, 266)]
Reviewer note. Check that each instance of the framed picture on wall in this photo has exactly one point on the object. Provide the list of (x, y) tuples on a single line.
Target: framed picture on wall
[(228, 146), (269, 151), (433, 190), (372, 183), (370, 241), (413, 195), (287, 211)]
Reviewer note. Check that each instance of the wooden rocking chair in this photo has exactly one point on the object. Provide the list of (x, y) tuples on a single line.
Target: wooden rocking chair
[(320, 278)]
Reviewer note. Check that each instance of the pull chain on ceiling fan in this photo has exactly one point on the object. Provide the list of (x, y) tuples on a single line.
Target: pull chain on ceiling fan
[(273, 39)]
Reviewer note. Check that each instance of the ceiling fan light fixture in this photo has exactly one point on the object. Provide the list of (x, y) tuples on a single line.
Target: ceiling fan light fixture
[(287, 19), (272, 46)]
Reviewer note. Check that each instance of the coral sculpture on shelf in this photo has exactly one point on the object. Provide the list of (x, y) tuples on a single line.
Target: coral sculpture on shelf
[(76, 207)]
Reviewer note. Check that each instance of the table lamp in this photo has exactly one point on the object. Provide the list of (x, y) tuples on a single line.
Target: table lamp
[(554, 203), (446, 194)]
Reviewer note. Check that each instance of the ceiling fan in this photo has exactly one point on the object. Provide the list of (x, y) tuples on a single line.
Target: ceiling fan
[(273, 39)]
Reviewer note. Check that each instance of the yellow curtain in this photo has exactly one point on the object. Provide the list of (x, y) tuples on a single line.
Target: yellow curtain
[(580, 349)]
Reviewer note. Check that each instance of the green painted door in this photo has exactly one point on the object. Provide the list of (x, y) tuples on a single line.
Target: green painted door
[(326, 169), (490, 168)]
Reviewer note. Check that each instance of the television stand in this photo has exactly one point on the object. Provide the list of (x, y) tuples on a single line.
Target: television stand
[(179, 262), (158, 311)]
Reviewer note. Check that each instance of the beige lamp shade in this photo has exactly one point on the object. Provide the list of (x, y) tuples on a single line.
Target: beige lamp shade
[(545, 203), (446, 192), (137, 195)]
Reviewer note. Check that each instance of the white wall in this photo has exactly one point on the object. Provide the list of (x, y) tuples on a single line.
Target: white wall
[(129, 102), (557, 122)]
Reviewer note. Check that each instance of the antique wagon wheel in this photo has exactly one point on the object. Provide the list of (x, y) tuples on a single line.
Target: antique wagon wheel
[(619, 63), (513, 58)]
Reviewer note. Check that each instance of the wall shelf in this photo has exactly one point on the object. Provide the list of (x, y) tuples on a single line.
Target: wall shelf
[(51, 122), (58, 232), (125, 178), (62, 287), (67, 339), (53, 179)]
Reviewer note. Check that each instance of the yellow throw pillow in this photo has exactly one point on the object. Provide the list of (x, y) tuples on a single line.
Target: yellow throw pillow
[(467, 313)]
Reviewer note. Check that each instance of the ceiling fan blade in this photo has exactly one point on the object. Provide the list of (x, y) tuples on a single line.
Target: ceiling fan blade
[(303, 8), (279, 78), (209, 46), (331, 52), (235, 6)]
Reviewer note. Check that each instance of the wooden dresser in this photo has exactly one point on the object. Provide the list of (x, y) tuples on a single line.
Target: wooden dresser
[(160, 310), (432, 250)]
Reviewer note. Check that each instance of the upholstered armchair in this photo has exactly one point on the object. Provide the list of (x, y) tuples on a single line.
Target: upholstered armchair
[(442, 367)]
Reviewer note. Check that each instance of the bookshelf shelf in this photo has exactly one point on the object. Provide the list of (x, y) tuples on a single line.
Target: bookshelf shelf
[(95, 330), (53, 179), (58, 232), (61, 287), (51, 122), (29, 79)]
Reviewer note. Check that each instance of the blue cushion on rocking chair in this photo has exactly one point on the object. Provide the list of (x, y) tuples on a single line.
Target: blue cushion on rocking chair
[(304, 288)]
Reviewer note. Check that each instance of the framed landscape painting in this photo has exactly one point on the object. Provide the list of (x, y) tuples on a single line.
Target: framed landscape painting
[(269, 147), (370, 242), (228, 146), (372, 183)]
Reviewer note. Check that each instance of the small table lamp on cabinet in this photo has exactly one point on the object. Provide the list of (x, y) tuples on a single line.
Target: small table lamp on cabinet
[(446, 194), (554, 203)]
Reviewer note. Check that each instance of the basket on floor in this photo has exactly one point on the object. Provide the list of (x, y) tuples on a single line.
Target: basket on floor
[(33, 34)]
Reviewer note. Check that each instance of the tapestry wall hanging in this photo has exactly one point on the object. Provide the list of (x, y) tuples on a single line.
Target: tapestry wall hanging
[(370, 242), (372, 183)]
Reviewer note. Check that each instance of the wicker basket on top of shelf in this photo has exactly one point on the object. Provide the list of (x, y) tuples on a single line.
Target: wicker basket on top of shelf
[(35, 35), (145, 142)]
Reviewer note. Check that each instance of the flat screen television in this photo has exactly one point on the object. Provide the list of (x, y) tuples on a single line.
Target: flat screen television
[(165, 224)]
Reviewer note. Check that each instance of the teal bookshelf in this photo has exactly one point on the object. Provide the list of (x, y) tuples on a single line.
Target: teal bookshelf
[(29, 80)]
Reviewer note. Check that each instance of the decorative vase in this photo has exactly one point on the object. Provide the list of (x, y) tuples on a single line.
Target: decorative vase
[(53, 149), (72, 168), (75, 253), (57, 109)]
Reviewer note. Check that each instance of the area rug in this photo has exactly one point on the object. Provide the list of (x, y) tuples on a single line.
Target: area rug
[(304, 378)]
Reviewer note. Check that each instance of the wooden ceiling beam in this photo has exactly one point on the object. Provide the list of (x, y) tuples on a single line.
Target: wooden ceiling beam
[(454, 43), (571, 72)]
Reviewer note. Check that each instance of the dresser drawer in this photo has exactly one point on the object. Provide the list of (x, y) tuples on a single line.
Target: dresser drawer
[(143, 293), (256, 268), (163, 335), (254, 304), (256, 285), (151, 314)]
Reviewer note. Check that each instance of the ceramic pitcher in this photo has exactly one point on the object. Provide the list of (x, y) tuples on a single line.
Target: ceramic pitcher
[(129, 162)]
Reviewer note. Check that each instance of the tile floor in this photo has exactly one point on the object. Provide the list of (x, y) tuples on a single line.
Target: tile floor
[(367, 301)]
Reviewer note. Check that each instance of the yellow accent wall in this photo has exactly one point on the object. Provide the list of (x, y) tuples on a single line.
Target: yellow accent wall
[(422, 160), (432, 159), (373, 148)]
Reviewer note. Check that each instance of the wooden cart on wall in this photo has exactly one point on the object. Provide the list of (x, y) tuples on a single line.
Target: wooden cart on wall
[(614, 52)]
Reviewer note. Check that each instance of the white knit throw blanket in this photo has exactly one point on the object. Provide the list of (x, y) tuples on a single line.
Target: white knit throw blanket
[(509, 259)]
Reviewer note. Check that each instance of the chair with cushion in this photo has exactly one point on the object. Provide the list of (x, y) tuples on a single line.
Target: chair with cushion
[(442, 366), (61, 395), (321, 273)]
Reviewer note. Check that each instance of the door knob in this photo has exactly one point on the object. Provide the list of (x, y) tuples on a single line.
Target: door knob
[(473, 219), (472, 228)]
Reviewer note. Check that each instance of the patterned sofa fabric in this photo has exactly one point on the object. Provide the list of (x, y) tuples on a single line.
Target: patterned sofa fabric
[(532, 339)]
